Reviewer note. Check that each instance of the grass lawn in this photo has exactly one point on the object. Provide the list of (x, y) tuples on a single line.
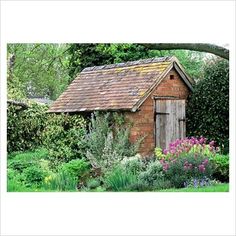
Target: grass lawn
[(214, 188)]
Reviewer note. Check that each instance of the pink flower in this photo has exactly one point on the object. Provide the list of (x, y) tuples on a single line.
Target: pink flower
[(201, 168), (212, 143), (165, 166), (205, 162), (165, 152)]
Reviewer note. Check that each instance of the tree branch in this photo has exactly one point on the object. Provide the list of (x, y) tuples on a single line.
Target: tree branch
[(200, 47), (18, 103)]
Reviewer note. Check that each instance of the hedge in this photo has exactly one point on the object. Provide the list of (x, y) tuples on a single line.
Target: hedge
[(208, 106)]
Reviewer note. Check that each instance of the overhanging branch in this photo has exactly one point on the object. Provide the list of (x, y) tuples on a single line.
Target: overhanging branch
[(200, 47), (23, 105)]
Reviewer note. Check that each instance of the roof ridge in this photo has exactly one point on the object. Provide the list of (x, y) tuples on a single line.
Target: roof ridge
[(128, 63)]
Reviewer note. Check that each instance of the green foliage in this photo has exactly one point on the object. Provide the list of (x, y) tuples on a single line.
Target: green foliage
[(208, 106), (159, 154), (33, 175), (221, 167), (20, 161), (45, 70), (77, 168), (64, 138), (26, 171), (133, 164), (93, 183), (62, 181), (86, 55), (152, 174), (38, 70), (24, 127), (118, 179), (15, 186), (186, 167), (108, 143)]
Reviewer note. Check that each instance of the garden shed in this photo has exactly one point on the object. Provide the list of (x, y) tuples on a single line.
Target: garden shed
[(151, 93)]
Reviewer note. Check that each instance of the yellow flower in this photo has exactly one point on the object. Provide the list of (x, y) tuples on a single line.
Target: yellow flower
[(47, 179)]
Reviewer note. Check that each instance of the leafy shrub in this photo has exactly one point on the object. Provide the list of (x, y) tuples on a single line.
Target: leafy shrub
[(93, 183), (20, 161), (152, 175), (108, 141), (188, 166), (220, 167), (133, 164), (33, 175), (64, 138), (19, 165), (162, 183), (208, 106), (61, 181), (77, 168), (119, 180), (24, 127)]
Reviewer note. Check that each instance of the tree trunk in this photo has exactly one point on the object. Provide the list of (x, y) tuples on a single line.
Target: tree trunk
[(200, 47)]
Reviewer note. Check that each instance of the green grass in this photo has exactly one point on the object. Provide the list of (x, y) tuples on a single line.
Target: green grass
[(214, 188)]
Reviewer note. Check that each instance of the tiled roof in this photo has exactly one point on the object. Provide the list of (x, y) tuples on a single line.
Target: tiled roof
[(112, 87)]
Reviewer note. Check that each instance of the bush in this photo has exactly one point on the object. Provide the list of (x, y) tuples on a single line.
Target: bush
[(191, 165), (119, 180), (33, 175), (221, 167), (133, 164), (24, 127), (108, 141), (152, 175), (76, 168), (20, 161), (93, 183), (64, 138), (208, 106)]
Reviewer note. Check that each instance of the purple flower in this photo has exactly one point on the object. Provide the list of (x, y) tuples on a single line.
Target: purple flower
[(195, 183), (202, 183)]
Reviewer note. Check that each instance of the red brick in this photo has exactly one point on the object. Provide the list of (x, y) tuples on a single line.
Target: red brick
[(143, 121)]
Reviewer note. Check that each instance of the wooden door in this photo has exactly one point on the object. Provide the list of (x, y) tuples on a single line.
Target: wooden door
[(170, 121)]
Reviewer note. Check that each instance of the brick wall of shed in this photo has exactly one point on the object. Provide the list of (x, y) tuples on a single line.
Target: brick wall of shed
[(143, 121)]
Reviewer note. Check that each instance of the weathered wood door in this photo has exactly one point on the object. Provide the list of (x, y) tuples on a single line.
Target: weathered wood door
[(170, 121)]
